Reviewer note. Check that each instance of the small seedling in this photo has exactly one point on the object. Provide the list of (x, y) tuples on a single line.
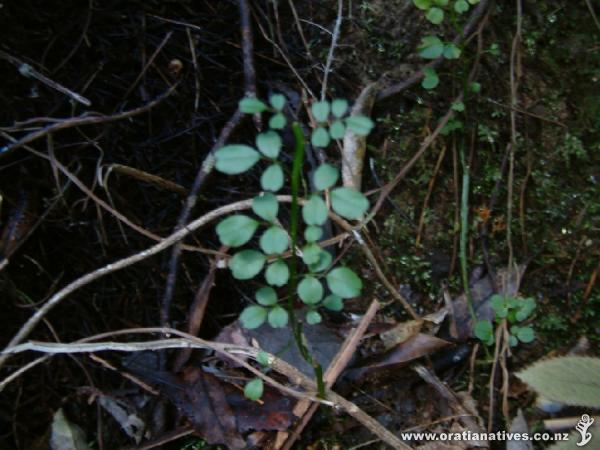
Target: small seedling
[(514, 310)]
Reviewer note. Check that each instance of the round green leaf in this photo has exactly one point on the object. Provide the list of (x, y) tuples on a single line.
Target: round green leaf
[(320, 137), (431, 47), (277, 274), (344, 283), (311, 253), (435, 15), (361, 125), (512, 341), (265, 206), (441, 2), (484, 330), (252, 106), (247, 264), (313, 233), (475, 87), (277, 121), (323, 263), (314, 211), (254, 389), (235, 158), (458, 106), (236, 230), (253, 316), (337, 130), (451, 51), (339, 107), (474, 2), (313, 317), (333, 303), (461, 6), (525, 335), (320, 111), (325, 176), (349, 203), (269, 143), (263, 359), (272, 178), (310, 290), (278, 317), (274, 241), (431, 79), (266, 296), (422, 4), (277, 101)]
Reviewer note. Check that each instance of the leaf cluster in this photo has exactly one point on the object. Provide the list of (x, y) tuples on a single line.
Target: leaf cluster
[(514, 310)]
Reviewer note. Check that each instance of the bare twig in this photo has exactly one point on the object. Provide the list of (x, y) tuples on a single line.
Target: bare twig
[(334, 38)]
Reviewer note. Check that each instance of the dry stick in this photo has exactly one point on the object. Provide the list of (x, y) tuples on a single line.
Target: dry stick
[(299, 27), (334, 38), (231, 351), (195, 66), (337, 366), (29, 72), (85, 119), (209, 161)]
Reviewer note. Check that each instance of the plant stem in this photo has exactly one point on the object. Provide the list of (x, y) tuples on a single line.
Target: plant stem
[(464, 231), (296, 324)]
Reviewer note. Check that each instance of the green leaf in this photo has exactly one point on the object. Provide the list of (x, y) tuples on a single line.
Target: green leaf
[(266, 296), (572, 380), (278, 317), (269, 143), (247, 264), (441, 2), (458, 106), (310, 253), (461, 6), (313, 317), (277, 101), (325, 176), (499, 305), (431, 47), (475, 87), (344, 283), (337, 130), (274, 241), (277, 121), (484, 330), (361, 125), (253, 316), (310, 290), (320, 111), (422, 4), (313, 233), (349, 203), (451, 51), (252, 106), (435, 15), (254, 389), (333, 302), (512, 341), (323, 263), (320, 137), (339, 107), (314, 211), (272, 178), (525, 334), (236, 230), (263, 359), (235, 158), (451, 126), (474, 2), (525, 308), (277, 274), (265, 206), (431, 79)]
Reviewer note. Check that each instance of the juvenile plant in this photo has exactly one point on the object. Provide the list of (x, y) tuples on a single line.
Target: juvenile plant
[(275, 256), (515, 310)]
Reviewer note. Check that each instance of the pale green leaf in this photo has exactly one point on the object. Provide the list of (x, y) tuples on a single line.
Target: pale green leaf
[(323, 263), (320, 111), (277, 121), (431, 79), (320, 137), (274, 240), (313, 317), (235, 158), (254, 389), (435, 15), (337, 130), (313, 233), (451, 51), (333, 303), (247, 264), (314, 211), (344, 283), (277, 101), (484, 330), (278, 317), (252, 106), (431, 47), (349, 203), (461, 6), (339, 107), (325, 177), (269, 143), (361, 125), (525, 335), (277, 274), (253, 316), (422, 4), (272, 179), (265, 206), (266, 296), (310, 253), (236, 230), (310, 290)]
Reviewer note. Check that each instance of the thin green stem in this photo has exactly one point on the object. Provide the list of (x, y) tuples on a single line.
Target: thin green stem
[(464, 230)]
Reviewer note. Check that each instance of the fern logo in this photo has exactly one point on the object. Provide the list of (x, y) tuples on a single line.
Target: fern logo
[(583, 425)]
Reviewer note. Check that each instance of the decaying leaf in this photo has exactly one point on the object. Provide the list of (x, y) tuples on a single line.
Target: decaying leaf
[(66, 435), (405, 330), (572, 380), (519, 425), (125, 415)]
